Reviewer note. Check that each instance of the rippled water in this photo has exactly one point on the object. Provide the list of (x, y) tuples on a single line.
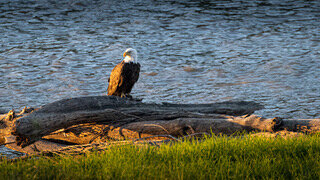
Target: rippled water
[(190, 52)]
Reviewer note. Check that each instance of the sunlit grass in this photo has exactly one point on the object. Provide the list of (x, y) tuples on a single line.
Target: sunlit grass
[(213, 158)]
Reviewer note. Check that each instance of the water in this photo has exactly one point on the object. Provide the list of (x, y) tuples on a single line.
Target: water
[(190, 52)]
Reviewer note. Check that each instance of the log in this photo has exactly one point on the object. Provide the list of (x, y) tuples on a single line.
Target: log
[(98, 136), (115, 111), (100, 133)]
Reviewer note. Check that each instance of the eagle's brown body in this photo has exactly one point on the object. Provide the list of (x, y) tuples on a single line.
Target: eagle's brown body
[(122, 78)]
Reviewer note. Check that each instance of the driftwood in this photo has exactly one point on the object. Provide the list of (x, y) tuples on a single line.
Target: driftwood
[(114, 111), (88, 121)]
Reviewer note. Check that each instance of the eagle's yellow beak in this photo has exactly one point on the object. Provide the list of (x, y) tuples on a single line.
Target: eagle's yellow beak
[(124, 54)]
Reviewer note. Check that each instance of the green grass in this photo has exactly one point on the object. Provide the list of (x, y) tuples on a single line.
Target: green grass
[(214, 158)]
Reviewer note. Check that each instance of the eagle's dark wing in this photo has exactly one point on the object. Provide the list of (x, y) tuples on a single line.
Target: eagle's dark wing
[(131, 75), (136, 72), (115, 80)]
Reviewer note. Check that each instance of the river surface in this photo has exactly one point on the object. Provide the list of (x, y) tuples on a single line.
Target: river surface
[(190, 52)]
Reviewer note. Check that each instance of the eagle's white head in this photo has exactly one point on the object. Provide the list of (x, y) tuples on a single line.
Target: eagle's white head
[(130, 55)]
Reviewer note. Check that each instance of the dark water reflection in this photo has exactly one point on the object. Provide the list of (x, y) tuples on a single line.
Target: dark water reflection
[(190, 52)]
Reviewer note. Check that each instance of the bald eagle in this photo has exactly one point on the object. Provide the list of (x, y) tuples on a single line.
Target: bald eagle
[(124, 75)]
